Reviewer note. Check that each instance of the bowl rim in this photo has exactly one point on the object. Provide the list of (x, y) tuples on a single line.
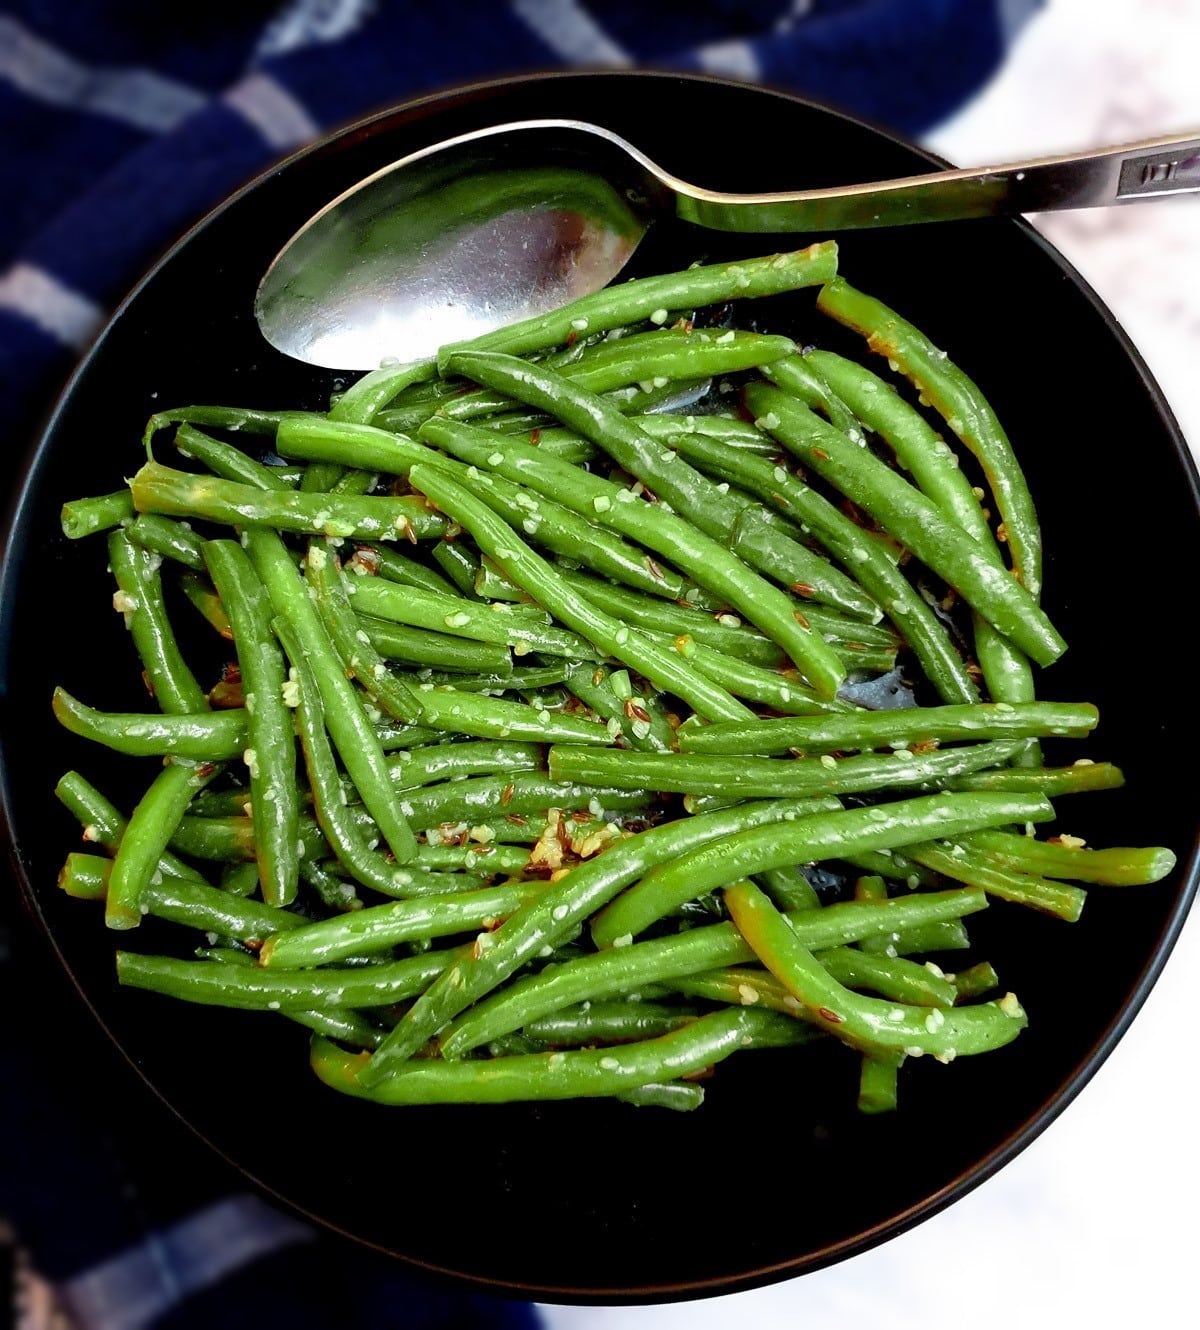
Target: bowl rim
[(18, 516)]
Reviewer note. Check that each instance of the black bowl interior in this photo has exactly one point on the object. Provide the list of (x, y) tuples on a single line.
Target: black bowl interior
[(580, 1201)]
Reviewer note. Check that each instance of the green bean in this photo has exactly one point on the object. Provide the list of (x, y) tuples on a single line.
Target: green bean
[(424, 766), (895, 729), (236, 418), (617, 306), (484, 717), (460, 565), (416, 646), (159, 489), (498, 622), (364, 399), (609, 635), (936, 472), (484, 859), (369, 560), (204, 736), (559, 1075), (850, 545), (328, 588), (558, 528), (723, 632), (963, 407), (380, 927), (797, 376), (641, 728), (168, 538), (218, 838), (240, 879), (202, 596), (619, 970), (344, 1026), (767, 777), (707, 562), (975, 980), (808, 839), (877, 1085), (227, 462), (957, 862), (139, 598), (103, 825), (334, 891), (789, 888), (740, 526), (255, 989), (529, 679), (915, 521), (1082, 776), (491, 583), (608, 1023), (892, 865), (1115, 867), (271, 751), (565, 905), (897, 979), (868, 1024), (780, 690), (351, 731), (146, 836), (477, 798), (392, 736), (82, 517), (321, 477), (667, 428), (335, 817), (186, 901)]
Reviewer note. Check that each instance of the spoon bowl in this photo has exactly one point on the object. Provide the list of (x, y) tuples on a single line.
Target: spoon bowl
[(517, 219)]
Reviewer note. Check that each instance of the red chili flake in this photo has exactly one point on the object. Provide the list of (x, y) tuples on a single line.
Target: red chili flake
[(797, 752), (453, 531), (535, 436), (831, 1016), (509, 791), (855, 646), (648, 495), (635, 712), (801, 620), (682, 325), (803, 589), (410, 532), (516, 819), (924, 746), (149, 687), (581, 815), (231, 672), (572, 337), (974, 671), (597, 677), (821, 453), (655, 570), (205, 769)]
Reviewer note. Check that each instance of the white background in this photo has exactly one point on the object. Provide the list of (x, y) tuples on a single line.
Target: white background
[(1095, 1225)]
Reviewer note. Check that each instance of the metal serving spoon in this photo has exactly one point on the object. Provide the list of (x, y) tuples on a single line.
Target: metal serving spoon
[(489, 227)]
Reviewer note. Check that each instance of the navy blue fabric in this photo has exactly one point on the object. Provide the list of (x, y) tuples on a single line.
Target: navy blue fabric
[(120, 125)]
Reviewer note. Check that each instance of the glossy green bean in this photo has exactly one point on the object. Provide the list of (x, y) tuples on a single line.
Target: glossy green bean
[(1113, 867), (630, 302), (160, 489), (351, 731), (808, 839), (619, 970), (868, 1024), (957, 862), (767, 777), (270, 755), (100, 512), (607, 634), (204, 736)]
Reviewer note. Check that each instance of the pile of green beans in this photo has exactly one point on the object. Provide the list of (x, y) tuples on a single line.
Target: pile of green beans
[(545, 727)]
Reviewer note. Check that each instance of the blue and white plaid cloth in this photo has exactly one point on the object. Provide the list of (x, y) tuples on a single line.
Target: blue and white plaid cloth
[(120, 124)]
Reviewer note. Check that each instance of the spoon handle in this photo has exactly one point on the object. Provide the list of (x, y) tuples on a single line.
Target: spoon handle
[(1124, 174)]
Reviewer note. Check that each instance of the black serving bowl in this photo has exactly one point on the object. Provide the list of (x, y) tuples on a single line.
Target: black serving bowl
[(580, 1201)]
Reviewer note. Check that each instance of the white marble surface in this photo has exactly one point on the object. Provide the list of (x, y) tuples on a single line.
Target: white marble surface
[(1094, 1225)]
